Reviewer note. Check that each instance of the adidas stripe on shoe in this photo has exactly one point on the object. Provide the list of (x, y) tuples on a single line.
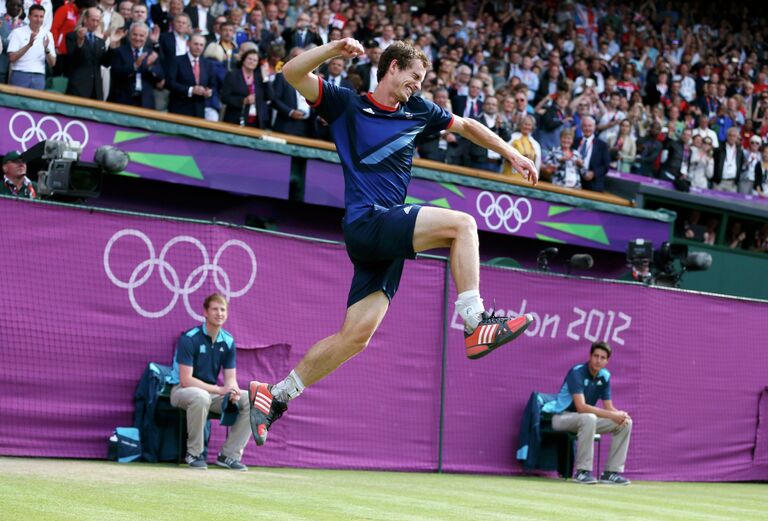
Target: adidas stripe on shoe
[(264, 410), (493, 332)]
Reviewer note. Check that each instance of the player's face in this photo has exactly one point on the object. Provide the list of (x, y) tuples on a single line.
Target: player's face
[(216, 314), (597, 360), (409, 80)]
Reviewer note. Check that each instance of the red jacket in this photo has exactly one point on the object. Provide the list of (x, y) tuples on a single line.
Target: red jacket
[(64, 22)]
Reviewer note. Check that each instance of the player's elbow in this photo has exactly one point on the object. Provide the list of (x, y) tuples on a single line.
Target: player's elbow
[(291, 75)]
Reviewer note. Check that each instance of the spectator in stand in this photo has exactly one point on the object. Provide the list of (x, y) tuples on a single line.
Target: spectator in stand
[(65, 20), (623, 149), (471, 105), (523, 142), (140, 14), (294, 116), (49, 9), (224, 51), (125, 8), (200, 17), (88, 53), (516, 107), (190, 80), (761, 174), (245, 93), (752, 157), (596, 157), (736, 236), (438, 145), (563, 165), (111, 20), (702, 165), (608, 125), (676, 156), (258, 32), (163, 13), (728, 163), (12, 19), (15, 180), (30, 48), (135, 69), (302, 35), (174, 43), (480, 157), (704, 131), (649, 149), (555, 118), (368, 72)]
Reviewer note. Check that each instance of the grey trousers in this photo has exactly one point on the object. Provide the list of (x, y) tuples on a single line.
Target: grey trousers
[(585, 425), (727, 185), (197, 403)]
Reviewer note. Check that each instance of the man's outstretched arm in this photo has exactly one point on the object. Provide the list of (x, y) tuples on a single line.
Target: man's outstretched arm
[(483, 136), (298, 71)]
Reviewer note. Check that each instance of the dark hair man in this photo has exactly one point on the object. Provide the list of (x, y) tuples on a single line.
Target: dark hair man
[(375, 137)]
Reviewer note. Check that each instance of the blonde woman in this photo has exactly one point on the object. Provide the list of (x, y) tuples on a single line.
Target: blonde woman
[(623, 150), (524, 143)]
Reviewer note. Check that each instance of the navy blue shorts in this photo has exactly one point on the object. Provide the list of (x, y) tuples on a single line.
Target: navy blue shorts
[(378, 244)]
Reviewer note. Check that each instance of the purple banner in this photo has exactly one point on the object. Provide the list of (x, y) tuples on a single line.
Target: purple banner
[(504, 213), (161, 157), (97, 296), (662, 183)]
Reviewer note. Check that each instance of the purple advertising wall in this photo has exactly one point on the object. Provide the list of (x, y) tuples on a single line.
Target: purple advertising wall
[(504, 213), (153, 155), (92, 297)]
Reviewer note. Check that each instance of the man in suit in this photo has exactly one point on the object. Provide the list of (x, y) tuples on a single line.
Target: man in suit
[(728, 162), (596, 156), (174, 43), (333, 74), (87, 54), (469, 105), (136, 70), (368, 71), (293, 112), (301, 35), (190, 80), (200, 17), (480, 157), (441, 144)]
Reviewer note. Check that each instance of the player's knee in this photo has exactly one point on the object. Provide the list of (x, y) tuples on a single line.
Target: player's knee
[(466, 225), (355, 340)]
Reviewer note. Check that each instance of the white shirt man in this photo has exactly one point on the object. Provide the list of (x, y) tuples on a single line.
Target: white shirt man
[(47, 5), (33, 61)]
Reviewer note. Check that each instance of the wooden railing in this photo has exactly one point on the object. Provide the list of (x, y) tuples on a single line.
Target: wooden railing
[(54, 97)]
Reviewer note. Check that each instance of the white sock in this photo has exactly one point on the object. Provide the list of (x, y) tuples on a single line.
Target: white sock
[(470, 307), (289, 388)]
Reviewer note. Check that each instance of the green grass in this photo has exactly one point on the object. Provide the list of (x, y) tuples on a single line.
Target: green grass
[(33, 489)]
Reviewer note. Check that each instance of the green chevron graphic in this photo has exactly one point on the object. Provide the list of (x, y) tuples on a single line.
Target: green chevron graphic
[(453, 188), (442, 202), (557, 210), (182, 165), (128, 174), (414, 200), (590, 232), (549, 239), (121, 136)]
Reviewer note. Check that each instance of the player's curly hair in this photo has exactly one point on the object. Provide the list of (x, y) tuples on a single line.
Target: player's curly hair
[(403, 53)]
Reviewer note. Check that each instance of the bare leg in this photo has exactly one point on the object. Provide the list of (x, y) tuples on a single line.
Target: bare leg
[(441, 228), (361, 321)]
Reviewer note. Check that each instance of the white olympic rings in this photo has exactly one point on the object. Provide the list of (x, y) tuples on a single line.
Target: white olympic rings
[(144, 270), (500, 211), (39, 130)]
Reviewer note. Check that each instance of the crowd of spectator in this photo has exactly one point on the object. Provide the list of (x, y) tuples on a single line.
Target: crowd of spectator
[(670, 90)]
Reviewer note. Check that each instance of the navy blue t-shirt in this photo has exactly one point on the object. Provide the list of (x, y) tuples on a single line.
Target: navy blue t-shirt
[(206, 357), (579, 381), (376, 143)]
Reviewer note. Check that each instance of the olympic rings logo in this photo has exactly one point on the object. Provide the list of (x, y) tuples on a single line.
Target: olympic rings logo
[(503, 210), (170, 277), (47, 128)]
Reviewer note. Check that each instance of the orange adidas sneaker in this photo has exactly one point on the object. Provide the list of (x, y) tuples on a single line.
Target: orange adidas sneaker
[(493, 332)]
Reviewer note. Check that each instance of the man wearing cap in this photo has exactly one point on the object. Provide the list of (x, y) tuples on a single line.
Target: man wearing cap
[(201, 352), (15, 180)]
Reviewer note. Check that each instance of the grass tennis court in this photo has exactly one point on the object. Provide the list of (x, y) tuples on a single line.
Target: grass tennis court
[(33, 489)]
